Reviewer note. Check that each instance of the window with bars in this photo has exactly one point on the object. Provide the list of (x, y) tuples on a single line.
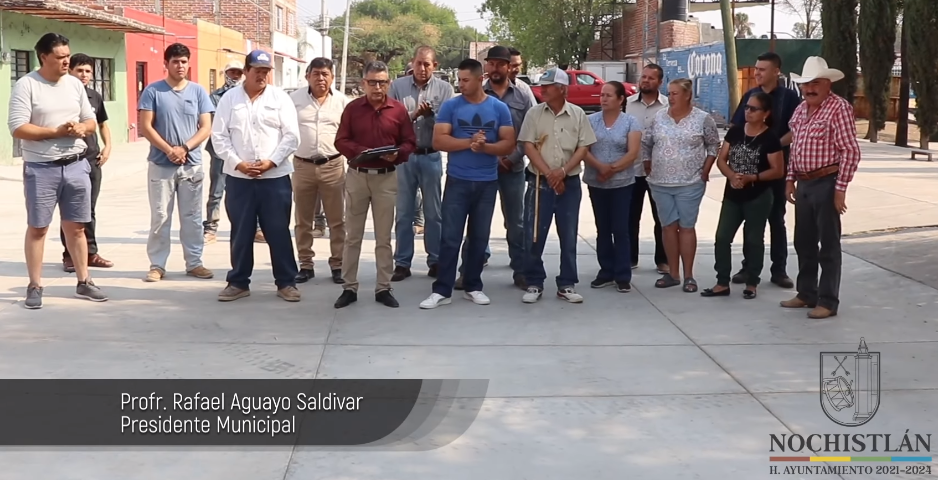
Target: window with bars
[(212, 76), (22, 64), (101, 80)]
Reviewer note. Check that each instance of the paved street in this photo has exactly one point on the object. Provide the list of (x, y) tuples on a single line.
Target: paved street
[(653, 384)]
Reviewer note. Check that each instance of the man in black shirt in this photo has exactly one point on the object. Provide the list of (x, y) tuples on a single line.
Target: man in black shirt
[(784, 102), (82, 67)]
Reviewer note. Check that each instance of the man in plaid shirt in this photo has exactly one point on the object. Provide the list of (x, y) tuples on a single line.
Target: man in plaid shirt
[(824, 157)]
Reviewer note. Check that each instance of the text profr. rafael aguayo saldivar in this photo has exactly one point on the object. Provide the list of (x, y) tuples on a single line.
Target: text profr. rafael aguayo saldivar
[(260, 409)]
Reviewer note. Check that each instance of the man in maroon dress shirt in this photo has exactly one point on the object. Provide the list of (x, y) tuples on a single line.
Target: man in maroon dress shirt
[(372, 121)]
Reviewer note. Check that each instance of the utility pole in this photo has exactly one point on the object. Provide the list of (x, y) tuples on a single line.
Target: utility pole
[(772, 29), (323, 30), (729, 41), (348, 13)]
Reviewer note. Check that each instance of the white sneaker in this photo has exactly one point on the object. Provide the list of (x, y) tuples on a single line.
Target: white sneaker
[(477, 297), (532, 295), (435, 300), (569, 295)]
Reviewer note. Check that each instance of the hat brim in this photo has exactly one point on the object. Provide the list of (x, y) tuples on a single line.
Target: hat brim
[(497, 58), (831, 74)]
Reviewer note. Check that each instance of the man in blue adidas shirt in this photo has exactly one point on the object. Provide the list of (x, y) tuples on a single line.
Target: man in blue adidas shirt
[(475, 129)]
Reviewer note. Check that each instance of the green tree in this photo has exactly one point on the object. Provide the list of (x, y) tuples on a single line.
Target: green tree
[(742, 25), (922, 18), (877, 28), (839, 45), (559, 31), (390, 30)]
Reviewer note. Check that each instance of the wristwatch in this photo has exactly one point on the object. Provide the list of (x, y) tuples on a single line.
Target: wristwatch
[(186, 147)]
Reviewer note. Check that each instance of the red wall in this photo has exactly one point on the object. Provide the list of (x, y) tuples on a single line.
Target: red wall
[(149, 48)]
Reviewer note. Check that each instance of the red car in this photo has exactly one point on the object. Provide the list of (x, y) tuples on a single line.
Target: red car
[(584, 89)]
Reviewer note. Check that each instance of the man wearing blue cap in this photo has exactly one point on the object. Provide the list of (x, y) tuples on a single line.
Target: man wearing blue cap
[(255, 131)]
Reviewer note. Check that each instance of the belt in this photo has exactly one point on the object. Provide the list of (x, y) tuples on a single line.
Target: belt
[(65, 161), (821, 172), (375, 171), (424, 151), (320, 160)]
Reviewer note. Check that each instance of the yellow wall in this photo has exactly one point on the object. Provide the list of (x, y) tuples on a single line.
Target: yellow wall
[(212, 40)]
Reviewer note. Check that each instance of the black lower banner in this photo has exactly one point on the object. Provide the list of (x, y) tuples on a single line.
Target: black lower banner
[(382, 414)]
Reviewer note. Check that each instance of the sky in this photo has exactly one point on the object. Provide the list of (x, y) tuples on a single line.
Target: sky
[(467, 15)]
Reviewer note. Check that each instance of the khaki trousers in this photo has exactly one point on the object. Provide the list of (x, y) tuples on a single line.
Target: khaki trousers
[(380, 192), (310, 182)]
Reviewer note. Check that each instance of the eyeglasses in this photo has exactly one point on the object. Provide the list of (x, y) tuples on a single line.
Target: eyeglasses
[(378, 83), (750, 108)]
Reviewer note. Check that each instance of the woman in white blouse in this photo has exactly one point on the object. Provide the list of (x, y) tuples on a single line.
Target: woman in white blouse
[(678, 150)]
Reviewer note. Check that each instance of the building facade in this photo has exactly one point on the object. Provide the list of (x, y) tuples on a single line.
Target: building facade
[(144, 58), (217, 47), (97, 34)]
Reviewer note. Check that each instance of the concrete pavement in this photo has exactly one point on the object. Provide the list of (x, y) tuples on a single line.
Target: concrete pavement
[(655, 384)]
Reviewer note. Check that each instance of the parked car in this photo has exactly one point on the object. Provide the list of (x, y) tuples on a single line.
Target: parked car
[(525, 79), (584, 89)]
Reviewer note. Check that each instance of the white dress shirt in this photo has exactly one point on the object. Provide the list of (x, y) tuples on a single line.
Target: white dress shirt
[(266, 129), (319, 123)]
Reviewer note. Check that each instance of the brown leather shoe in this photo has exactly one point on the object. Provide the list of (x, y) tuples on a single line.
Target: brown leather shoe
[(290, 294), (68, 265), (795, 303), (98, 261), (259, 237), (821, 312)]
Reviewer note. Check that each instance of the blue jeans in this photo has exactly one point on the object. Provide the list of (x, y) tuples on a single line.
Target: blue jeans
[(565, 209), (511, 196), (464, 199), (611, 208), (216, 190), (423, 172), (269, 203)]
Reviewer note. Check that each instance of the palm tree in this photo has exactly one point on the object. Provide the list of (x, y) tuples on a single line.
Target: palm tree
[(742, 26)]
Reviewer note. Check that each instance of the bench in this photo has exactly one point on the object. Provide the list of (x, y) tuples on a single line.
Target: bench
[(918, 151)]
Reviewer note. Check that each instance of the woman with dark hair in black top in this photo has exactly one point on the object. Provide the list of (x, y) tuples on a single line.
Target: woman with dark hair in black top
[(750, 159)]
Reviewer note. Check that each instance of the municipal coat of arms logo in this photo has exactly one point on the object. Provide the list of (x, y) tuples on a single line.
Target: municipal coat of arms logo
[(850, 385)]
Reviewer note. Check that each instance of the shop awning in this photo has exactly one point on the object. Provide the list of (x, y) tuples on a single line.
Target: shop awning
[(71, 13)]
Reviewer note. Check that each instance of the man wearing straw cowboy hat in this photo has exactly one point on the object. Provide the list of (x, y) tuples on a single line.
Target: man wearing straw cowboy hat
[(824, 157), (553, 178)]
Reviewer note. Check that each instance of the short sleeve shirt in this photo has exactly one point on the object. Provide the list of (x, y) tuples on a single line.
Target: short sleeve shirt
[(467, 118), (612, 143), (565, 132), (100, 113), (176, 116), (749, 156)]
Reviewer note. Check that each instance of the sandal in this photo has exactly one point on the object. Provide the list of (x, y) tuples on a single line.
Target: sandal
[(709, 292), (667, 281), (749, 294), (690, 285)]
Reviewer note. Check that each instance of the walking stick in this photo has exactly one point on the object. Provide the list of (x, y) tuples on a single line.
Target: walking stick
[(537, 188)]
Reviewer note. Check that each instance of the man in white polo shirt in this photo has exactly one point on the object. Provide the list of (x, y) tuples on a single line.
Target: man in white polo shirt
[(255, 132)]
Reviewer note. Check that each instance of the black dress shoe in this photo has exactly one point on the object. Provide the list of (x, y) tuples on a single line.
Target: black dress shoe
[(400, 273), (305, 275), (783, 281), (520, 281), (387, 299), (347, 298), (740, 277), (434, 271), (337, 276)]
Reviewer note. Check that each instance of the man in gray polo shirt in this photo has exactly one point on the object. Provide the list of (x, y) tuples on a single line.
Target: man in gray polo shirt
[(50, 114), (422, 93)]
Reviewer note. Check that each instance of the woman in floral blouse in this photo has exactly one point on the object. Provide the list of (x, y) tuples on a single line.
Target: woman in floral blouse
[(678, 150)]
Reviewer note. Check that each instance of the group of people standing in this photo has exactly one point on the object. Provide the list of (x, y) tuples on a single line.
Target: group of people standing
[(645, 144)]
